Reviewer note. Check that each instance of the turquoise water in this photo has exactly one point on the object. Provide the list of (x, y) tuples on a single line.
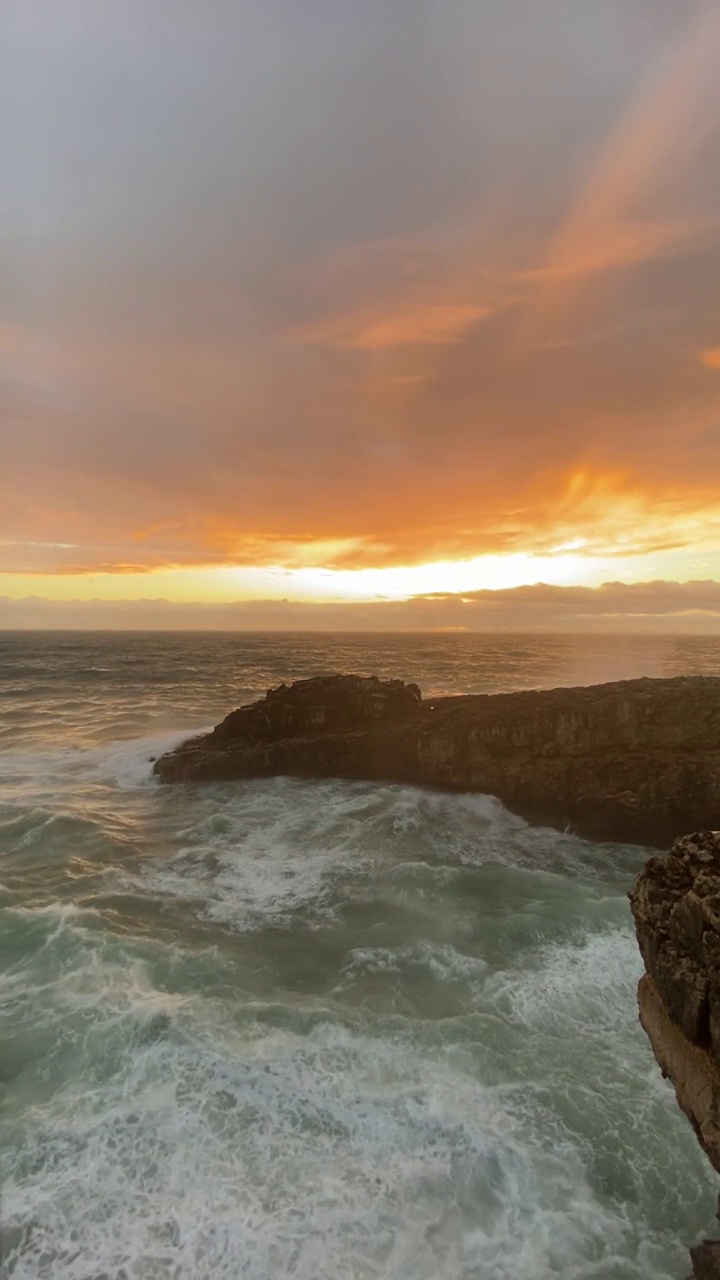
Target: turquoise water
[(315, 1029)]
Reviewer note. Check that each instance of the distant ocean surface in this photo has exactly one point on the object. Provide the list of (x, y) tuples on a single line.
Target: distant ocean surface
[(322, 1030)]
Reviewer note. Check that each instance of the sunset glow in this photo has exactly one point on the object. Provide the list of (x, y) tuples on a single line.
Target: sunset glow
[(337, 332)]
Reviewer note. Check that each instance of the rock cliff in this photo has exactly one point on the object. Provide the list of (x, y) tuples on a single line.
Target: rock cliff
[(636, 760), (676, 907)]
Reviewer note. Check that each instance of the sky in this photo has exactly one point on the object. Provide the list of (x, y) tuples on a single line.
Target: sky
[(353, 313)]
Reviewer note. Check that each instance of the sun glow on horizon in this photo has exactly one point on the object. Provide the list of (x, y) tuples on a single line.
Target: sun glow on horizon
[(598, 535), (223, 584), (452, 577)]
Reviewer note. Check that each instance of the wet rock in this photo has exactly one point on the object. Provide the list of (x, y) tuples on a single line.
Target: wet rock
[(636, 760), (677, 922), (706, 1261), (675, 907)]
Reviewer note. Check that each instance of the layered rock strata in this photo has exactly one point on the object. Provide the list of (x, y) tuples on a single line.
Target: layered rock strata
[(637, 760), (676, 908)]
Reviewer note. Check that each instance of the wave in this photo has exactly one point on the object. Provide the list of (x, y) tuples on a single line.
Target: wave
[(125, 762), (324, 1029), (128, 763), (182, 1157)]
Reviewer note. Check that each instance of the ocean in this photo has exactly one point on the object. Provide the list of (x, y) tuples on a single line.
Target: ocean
[(323, 1030)]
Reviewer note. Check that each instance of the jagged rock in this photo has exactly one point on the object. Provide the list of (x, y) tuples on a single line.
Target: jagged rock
[(637, 760), (706, 1261), (326, 704), (675, 907), (675, 904)]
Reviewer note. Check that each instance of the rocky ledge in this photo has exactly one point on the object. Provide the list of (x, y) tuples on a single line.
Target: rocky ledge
[(638, 760), (676, 907)]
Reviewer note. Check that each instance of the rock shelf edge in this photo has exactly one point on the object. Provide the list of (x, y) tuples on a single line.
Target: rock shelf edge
[(636, 761), (676, 908)]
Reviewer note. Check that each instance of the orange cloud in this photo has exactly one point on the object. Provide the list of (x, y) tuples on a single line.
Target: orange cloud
[(595, 517), (308, 365), (655, 139), (431, 324), (616, 245)]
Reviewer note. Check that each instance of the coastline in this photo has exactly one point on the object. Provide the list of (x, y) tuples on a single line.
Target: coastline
[(634, 761)]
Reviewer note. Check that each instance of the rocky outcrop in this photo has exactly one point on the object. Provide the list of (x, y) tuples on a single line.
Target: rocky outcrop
[(330, 704), (706, 1261), (637, 760), (676, 908)]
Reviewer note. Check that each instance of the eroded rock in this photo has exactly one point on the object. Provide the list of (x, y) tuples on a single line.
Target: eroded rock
[(706, 1261), (636, 760), (675, 904)]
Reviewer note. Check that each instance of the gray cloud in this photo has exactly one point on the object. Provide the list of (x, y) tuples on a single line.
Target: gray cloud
[(189, 189), (645, 608)]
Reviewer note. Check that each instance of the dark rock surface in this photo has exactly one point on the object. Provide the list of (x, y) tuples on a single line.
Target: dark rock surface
[(637, 760), (706, 1261), (676, 908)]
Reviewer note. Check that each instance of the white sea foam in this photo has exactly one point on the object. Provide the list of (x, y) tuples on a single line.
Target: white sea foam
[(128, 764), (571, 984), (329, 1154), (443, 964), (311, 1029), (58, 912), (182, 1139), (264, 850), (51, 770)]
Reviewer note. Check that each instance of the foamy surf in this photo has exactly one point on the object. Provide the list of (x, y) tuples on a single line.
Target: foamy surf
[(310, 1029), (243, 1149)]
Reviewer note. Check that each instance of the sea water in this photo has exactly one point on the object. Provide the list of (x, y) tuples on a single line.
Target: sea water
[(315, 1029)]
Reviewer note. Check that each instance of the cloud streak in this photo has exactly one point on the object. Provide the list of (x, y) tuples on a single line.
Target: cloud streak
[(379, 287), (438, 324), (657, 137), (646, 608)]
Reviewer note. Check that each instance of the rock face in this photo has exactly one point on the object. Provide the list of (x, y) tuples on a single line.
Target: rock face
[(676, 907), (334, 704), (636, 760), (706, 1261)]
